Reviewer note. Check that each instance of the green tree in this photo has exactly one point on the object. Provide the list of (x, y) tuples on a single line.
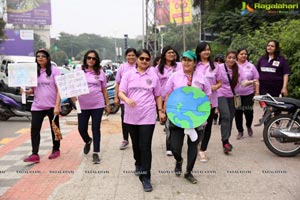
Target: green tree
[(38, 43)]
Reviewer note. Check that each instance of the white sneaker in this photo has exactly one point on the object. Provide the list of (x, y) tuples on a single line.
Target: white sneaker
[(169, 153), (203, 157)]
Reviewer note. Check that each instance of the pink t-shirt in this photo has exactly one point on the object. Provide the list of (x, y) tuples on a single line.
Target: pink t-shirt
[(163, 78), (212, 76), (225, 90), (45, 93), (250, 73), (179, 79), (95, 98), (123, 69), (142, 89)]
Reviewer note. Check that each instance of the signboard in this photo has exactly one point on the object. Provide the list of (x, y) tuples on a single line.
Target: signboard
[(162, 14), (72, 84), (32, 12), (22, 74), (181, 9), (18, 42)]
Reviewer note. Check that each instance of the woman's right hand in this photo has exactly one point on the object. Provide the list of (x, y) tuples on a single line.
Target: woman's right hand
[(130, 102)]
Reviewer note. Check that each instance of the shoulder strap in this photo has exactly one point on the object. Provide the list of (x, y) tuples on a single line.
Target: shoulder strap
[(229, 79)]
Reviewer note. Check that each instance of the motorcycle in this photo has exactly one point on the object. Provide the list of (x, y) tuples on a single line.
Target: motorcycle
[(281, 121), (111, 95), (66, 106), (11, 103)]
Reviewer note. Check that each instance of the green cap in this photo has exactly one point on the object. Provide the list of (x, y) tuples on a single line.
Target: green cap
[(189, 54)]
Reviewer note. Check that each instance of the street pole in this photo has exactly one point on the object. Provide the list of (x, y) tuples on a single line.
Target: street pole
[(183, 26), (143, 23)]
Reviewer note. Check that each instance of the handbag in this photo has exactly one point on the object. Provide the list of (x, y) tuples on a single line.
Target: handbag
[(56, 130), (236, 98)]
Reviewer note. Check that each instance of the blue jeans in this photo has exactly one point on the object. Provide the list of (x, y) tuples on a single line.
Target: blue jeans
[(83, 122)]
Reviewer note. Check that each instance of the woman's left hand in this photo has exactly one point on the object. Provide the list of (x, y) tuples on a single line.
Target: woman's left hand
[(284, 92)]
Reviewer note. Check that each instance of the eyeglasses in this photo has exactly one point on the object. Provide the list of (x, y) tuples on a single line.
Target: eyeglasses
[(91, 58), (41, 56), (144, 58)]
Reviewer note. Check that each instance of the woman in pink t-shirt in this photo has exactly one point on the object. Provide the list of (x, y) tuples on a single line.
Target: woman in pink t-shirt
[(46, 103), (130, 64), (93, 104), (141, 92), (187, 76)]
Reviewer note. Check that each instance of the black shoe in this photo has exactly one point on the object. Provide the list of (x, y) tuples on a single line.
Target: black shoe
[(96, 159), (178, 168), (138, 170), (87, 147), (189, 176), (146, 184)]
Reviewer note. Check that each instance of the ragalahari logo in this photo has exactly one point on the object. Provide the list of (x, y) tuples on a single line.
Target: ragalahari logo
[(246, 8)]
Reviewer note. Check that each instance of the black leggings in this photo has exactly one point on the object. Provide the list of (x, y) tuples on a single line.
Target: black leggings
[(207, 131), (124, 125), (247, 110), (36, 125), (141, 137)]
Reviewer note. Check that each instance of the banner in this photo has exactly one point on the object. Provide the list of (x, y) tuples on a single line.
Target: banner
[(162, 13), (72, 84), (15, 40), (32, 12), (22, 74), (179, 8)]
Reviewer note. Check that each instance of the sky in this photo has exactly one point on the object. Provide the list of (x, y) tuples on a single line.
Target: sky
[(112, 18)]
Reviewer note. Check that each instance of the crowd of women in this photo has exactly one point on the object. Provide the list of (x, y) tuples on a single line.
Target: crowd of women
[(143, 90)]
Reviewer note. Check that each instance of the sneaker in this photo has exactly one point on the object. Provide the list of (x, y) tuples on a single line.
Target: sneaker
[(169, 153), (32, 158), (239, 136), (138, 170), (54, 154), (178, 168), (203, 157), (96, 159), (227, 148), (87, 147), (189, 176), (124, 144), (146, 184), (250, 131)]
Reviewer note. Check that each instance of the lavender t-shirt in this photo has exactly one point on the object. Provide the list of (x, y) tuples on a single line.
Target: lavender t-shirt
[(179, 79), (95, 98), (45, 93), (250, 73), (225, 90), (212, 76), (163, 78), (142, 89), (122, 69)]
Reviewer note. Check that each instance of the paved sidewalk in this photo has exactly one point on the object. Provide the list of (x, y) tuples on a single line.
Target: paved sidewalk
[(250, 172)]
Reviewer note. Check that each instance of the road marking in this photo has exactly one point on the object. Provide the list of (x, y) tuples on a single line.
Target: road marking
[(23, 130), (6, 140)]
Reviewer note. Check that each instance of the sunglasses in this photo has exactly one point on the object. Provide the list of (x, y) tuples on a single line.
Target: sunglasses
[(144, 58), (91, 58), (41, 56)]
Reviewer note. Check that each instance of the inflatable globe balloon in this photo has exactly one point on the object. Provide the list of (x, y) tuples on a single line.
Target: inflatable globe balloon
[(188, 107)]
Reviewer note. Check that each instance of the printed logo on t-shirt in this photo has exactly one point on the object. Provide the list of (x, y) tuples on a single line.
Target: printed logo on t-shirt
[(268, 69), (149, 81), (96, 77), (275, 63)]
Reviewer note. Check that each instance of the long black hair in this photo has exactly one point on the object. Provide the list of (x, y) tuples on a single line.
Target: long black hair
[(48, 64), (97, 65), (162, 63), (235, 70), (201, 47)]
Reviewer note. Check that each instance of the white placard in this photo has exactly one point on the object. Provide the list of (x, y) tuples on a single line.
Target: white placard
[(72, 84), (22, 74)]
